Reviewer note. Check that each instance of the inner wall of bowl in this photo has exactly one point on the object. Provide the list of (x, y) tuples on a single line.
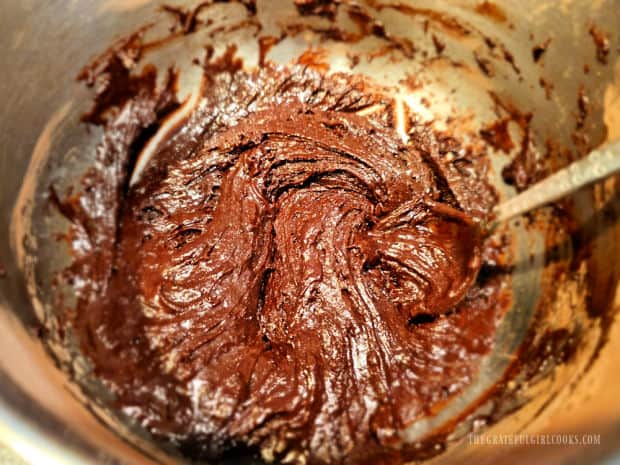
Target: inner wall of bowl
[(454, 94)]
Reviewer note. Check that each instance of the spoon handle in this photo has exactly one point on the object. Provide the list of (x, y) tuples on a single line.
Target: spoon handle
[(599, 164)]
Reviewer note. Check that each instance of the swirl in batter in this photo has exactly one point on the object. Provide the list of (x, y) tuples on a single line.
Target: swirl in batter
[(286, 275)]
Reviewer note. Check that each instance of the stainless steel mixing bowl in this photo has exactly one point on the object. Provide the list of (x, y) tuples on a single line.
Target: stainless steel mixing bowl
[(46, 417)]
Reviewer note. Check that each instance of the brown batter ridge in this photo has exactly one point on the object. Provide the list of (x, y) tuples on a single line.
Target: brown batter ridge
[(286, 276)]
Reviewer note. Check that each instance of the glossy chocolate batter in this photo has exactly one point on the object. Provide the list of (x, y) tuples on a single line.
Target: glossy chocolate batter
[(286, 276)]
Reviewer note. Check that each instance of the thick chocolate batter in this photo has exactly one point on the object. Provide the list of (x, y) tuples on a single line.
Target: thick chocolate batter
[(286, 276)]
